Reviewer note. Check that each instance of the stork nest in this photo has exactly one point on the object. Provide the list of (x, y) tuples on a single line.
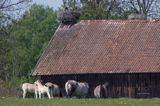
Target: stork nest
[(69, 17)]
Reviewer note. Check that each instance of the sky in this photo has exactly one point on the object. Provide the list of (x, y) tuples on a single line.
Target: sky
[(51, 3)]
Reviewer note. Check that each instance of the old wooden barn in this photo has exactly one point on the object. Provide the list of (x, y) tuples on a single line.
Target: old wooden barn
[(126, 53)]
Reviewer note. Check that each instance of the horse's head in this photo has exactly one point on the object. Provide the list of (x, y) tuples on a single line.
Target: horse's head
[(73, 84), (106, 84), (38, 82), (49, 84), (71, 87)]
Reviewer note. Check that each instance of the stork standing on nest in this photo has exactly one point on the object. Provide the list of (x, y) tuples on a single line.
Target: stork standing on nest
[(68, 17)]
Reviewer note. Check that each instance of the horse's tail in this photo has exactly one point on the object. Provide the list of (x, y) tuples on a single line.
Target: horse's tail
[(68, 93), (66, 88)]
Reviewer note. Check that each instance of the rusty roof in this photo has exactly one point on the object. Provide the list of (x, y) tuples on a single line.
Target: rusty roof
[(103, 46)]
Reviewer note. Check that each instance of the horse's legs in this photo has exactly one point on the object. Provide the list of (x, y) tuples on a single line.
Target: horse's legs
[(39, 94), (43, 96), (36, 94), (51, 92), (48, 95), (24, 94)]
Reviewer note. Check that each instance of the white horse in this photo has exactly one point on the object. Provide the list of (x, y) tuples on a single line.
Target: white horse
[(42, 89), (101, 91), (78, 89), (27, 87), (54, 89)]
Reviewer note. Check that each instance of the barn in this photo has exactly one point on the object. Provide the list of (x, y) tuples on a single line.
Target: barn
[(126, 53)]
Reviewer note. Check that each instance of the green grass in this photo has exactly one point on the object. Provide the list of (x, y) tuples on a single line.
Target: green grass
[(79, 102)]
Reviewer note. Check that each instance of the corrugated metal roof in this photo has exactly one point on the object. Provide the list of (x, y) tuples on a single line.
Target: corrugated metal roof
[(103, 46)]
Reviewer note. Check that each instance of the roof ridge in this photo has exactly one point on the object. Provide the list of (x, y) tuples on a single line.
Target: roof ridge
[(153, 21)]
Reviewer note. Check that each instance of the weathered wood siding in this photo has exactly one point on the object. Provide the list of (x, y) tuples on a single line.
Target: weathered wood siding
[(120, 85)]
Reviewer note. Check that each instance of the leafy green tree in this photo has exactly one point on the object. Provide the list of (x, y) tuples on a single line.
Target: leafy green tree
[(8, 8), (101, 9), (72, 4), (5, 47), (30, 36)]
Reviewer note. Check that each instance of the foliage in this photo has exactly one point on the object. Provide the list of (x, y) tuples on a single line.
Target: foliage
[(7, 7), (72, 4), (27, 37), (114, 9), (5, 47), (96, 9), (30, 36)]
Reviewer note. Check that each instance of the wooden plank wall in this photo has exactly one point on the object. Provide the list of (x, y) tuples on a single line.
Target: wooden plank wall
[(120, 85)]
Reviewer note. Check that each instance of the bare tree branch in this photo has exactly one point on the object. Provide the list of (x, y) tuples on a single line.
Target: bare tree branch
[(149, 5), (11, 9), (1, 5), (8, 4), (11, 4), (145, 7)]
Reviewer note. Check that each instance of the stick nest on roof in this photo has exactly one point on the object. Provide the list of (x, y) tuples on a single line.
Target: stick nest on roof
[(68, 17)]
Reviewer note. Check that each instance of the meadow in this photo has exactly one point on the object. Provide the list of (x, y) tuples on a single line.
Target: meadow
[(79, 102)]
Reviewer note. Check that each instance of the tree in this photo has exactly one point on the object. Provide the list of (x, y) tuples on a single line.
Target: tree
[(72, 4), (114, 9), (150, 8), (11, 5), (29, 37), (11, 9), (7, 8), (35, 30), (5, 46), (95, 9)]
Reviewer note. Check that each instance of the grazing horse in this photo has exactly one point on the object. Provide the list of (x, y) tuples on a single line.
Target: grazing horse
[(42, 89), (101, 90), (78, 89), (53, 88), (27, 87)]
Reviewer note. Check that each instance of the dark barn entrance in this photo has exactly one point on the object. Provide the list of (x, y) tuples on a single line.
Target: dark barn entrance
[(142, 85)]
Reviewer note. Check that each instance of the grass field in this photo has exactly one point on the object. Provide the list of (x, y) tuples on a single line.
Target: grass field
[(79, 102)]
